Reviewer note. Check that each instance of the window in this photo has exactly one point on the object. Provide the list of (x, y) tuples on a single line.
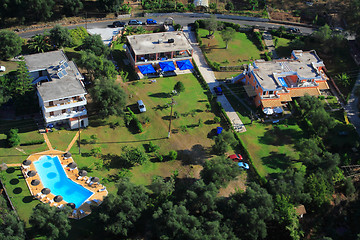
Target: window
[(271, 92), (264, 92), (257, 86)]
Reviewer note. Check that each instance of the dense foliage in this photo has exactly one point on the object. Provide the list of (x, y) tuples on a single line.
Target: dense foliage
[(10, 44), (10, 227)]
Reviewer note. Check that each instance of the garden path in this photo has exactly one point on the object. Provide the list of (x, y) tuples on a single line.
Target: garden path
[(270, 44), (210, 79), (72, 141), (47, 141)]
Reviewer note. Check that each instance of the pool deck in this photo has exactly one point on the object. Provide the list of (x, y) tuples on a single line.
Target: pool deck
[(72, 174)]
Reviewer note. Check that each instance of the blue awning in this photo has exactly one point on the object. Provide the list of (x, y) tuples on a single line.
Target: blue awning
[(184, 64), (146, 69), (167, 66)]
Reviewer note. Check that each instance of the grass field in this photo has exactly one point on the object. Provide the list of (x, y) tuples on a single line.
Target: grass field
[(270, 146), (9, 65), (282, 47), (240, 50)]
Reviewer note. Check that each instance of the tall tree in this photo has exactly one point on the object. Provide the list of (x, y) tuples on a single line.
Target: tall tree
[(94, 44), (12, 137), (60, 36), (134, 156), (109, 97), (40, 10), (10, 227), (344, 79), (219, 170), (322, 121), (50, 222), (211, 24), (39, 43), (109, 5), (23, 80), (97, 66), (227, 35), (320, 190), (72, 7), (10, 44), (119, 213), (179, 87)]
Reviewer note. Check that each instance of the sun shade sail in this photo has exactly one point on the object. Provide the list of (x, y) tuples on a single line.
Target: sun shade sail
[(184, 64)]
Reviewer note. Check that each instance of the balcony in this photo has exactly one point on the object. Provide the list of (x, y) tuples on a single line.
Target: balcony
[(60, 105), (63, 116)]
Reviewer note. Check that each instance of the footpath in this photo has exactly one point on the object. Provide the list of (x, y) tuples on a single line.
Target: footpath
[(210, 79), (352, 109), (270, 44)]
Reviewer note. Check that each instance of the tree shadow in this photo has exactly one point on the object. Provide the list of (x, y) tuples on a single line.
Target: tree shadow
[(115, 161), (277, 161), (196, 155), (209, 122), (14, 181), (97, 122), (10, 170), (28, 199), (17, 190), (160, 95), (202, 100), (279, 137), (199, 110)]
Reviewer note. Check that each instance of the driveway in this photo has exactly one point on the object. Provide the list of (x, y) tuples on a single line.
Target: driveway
[(352, 109)]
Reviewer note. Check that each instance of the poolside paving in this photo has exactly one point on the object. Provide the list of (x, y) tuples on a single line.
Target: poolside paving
[(71, 174)]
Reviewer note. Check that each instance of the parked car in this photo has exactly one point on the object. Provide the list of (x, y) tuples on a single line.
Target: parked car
[(2, 68), (219, 130), (293, 30), (236, 157), (141, 106), (151, 21), (135, 22), (218, 90), (243, 165), (118, 24)]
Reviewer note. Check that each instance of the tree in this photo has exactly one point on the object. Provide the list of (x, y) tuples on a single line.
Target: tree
[(211, 24), (10, 44), (229, 6), (179, 87), (94, 44), (344, 79), (322, 121), (12, 137), (97, 66), (109, 5), (60, 36), (23, 80), (72, 7), (133, 156), (109, 97), (310, 104), (220, 147), (319, 189), (119, 213), (40, 10), (357, 90), (39, 43), (50, 222), (11, 228), (227, 35), (323, 34), (219, 170), (249, 212), (162, 189), (201, 199), (254, 3)]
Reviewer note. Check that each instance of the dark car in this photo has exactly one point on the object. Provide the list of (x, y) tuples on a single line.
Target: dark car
[(218, 90), (293, 30), (151, 21), (118, 24), (135, 22)]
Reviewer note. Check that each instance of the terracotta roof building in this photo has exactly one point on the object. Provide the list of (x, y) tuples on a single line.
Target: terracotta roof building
[(276, 82)]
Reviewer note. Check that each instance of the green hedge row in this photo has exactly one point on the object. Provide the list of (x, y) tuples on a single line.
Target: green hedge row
[(135, 120)]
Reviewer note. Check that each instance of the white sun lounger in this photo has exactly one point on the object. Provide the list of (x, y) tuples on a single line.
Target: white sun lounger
[(81, 211), (55, 204), (88, 202), (79, 177), (88, 181), (74, 213), (91, 183), (97, 201), (51, 201), (101, 190), (61, 206)]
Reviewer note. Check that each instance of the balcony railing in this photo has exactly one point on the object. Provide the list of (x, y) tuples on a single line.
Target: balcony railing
[(64, 105), (64, 116)]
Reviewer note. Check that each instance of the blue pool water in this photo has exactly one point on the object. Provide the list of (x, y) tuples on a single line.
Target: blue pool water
[(53, 176), (282, 81)]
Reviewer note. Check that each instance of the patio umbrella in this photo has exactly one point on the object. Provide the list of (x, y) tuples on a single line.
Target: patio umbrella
[(72, 165), (35, 182), (72, 205), (82, 173), (268, 111), (278, 110), (146, 69), (26, 162), (58, 198), (95, 179), (31, 173), (45, 191), (167, 66), (67, 154), (184, 64)]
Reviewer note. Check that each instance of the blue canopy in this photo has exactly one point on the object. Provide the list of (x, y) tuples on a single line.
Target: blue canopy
[(167, 66), (184, 64), (146, 69)]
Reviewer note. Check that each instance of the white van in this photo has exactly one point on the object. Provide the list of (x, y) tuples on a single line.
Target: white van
[(141, 106)]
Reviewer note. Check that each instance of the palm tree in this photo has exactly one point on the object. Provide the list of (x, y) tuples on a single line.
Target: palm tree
[(344, 79), (39, 43)]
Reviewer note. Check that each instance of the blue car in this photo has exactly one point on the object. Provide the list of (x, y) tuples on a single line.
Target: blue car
[(218, 90), (219, 130), (151, 21), (243, 165)]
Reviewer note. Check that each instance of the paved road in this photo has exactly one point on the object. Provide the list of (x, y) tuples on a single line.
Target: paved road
[(352, 109), (183, 20), (210, 79)]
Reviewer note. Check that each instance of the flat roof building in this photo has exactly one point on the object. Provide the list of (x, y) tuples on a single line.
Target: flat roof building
[(59, 87)]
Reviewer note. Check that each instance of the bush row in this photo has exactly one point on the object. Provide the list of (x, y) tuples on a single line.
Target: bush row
[(33, 142), (131, 118)]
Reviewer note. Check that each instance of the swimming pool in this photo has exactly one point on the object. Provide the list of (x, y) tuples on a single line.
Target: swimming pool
[(53, 176), (282, 81)]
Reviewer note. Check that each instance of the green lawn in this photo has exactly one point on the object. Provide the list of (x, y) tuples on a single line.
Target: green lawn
[(240, 50), (9, 65), (270, 146), (282, 47), (19, 193)]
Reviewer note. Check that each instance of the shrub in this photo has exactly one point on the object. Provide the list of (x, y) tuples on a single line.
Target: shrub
[(152, 147), (159, 157), (96, 152), (172, 155), (134, 156), (217, 119), (33, 142), (12, 137), (78, 35)]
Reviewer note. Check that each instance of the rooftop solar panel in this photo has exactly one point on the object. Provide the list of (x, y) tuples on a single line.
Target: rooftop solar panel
[(62, 67), (64, 72), (59, 74), (66, 64)]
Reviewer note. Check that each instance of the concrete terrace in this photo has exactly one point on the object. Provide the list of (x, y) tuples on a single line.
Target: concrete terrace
[(35, 191), (210, 79)]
